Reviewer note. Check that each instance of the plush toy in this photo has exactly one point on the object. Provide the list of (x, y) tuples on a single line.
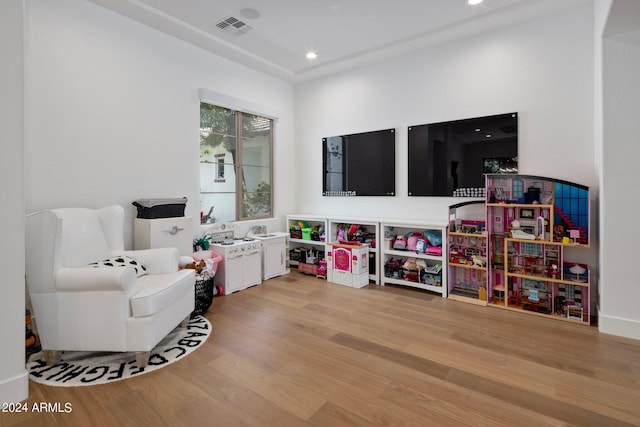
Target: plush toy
[(197, 266), (184, 260)]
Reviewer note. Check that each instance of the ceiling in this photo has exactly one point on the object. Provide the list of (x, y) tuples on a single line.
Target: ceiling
[(344, 33)]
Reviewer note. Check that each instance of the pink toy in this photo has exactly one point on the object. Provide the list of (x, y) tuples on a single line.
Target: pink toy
[(400, 243)]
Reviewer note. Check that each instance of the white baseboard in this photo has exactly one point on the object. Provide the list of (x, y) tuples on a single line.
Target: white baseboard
[(14, 390), (616, 326)]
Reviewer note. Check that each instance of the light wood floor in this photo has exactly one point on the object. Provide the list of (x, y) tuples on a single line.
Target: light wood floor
[(298, 351)]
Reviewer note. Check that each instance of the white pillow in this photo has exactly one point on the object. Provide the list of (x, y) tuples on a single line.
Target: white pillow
[(122, 261)]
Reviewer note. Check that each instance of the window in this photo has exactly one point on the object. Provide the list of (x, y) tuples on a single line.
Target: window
[(572, 208), (518, 188), (235, 165), (220, 167)]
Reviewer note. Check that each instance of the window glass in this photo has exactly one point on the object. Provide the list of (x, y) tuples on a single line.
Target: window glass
[(233, 141)]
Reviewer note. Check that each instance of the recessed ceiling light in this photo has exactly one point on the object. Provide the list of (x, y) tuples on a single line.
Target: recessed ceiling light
[(311, 55), (250, 13), (477, 129), (474, 2), (488, 135)]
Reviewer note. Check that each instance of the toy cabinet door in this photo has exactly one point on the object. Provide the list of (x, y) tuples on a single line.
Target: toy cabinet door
[(342, 259)]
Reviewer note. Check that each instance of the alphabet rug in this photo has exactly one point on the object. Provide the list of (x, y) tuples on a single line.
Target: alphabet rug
[(78, 368)]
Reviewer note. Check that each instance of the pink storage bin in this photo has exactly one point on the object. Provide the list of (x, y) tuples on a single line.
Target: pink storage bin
[(211, 258)]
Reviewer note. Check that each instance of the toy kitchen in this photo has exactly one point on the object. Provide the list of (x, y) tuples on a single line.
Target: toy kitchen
[(248, 260), (242, 261)]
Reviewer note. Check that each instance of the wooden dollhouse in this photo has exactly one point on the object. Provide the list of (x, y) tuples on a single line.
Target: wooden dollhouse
[(533, 225), (525, 242)]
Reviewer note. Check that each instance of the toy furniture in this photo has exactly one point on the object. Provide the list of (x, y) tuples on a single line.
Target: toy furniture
[(514, 298), (90, 294), (359, 230), (348, 264)]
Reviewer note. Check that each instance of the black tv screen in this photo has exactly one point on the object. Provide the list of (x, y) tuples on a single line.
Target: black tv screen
[(448, 156), (360, 164)]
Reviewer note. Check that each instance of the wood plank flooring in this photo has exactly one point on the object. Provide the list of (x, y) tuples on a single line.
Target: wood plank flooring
[(298, 351)]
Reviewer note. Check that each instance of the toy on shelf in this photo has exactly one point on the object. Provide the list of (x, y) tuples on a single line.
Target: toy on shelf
[(478, 261), (321, 273), (400, 243)]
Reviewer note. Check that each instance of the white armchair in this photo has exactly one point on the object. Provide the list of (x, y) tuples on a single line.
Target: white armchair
[(82, 305)]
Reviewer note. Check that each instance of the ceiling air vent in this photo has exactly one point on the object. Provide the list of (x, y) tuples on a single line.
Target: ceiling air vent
[(233, 25)]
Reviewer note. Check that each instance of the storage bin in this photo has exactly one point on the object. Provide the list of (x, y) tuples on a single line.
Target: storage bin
[(388, 243), (203, 295), (295, 254), (160, 208), (310, 256), (306, 233), (308, 268), (211, 258)]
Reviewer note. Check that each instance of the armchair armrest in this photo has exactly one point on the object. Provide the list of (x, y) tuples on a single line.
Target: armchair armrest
[(157, 260), (74, 279)]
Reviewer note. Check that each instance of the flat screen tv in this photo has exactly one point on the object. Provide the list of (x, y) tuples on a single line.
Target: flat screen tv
[(455, 155), (360, 164)]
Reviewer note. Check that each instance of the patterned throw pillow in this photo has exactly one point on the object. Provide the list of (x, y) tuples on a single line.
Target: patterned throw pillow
[(122, 261)]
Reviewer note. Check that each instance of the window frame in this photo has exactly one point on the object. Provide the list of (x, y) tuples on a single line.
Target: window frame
[(239, 166), (242, 107)]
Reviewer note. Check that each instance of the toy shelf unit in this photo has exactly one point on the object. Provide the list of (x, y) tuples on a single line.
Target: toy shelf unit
[(531, 222), (307, 244), (467, 249), (358, 230), (413, 254)]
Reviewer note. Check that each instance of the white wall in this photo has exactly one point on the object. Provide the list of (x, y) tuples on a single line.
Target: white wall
[(619, 290), (14, 385), (542, 69), (112, 111), (601, 11)]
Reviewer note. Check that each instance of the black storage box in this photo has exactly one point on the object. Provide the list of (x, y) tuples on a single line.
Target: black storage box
[(160, 208)]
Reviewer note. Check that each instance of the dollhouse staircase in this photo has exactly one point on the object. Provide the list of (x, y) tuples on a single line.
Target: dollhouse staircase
[(569, 225)]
